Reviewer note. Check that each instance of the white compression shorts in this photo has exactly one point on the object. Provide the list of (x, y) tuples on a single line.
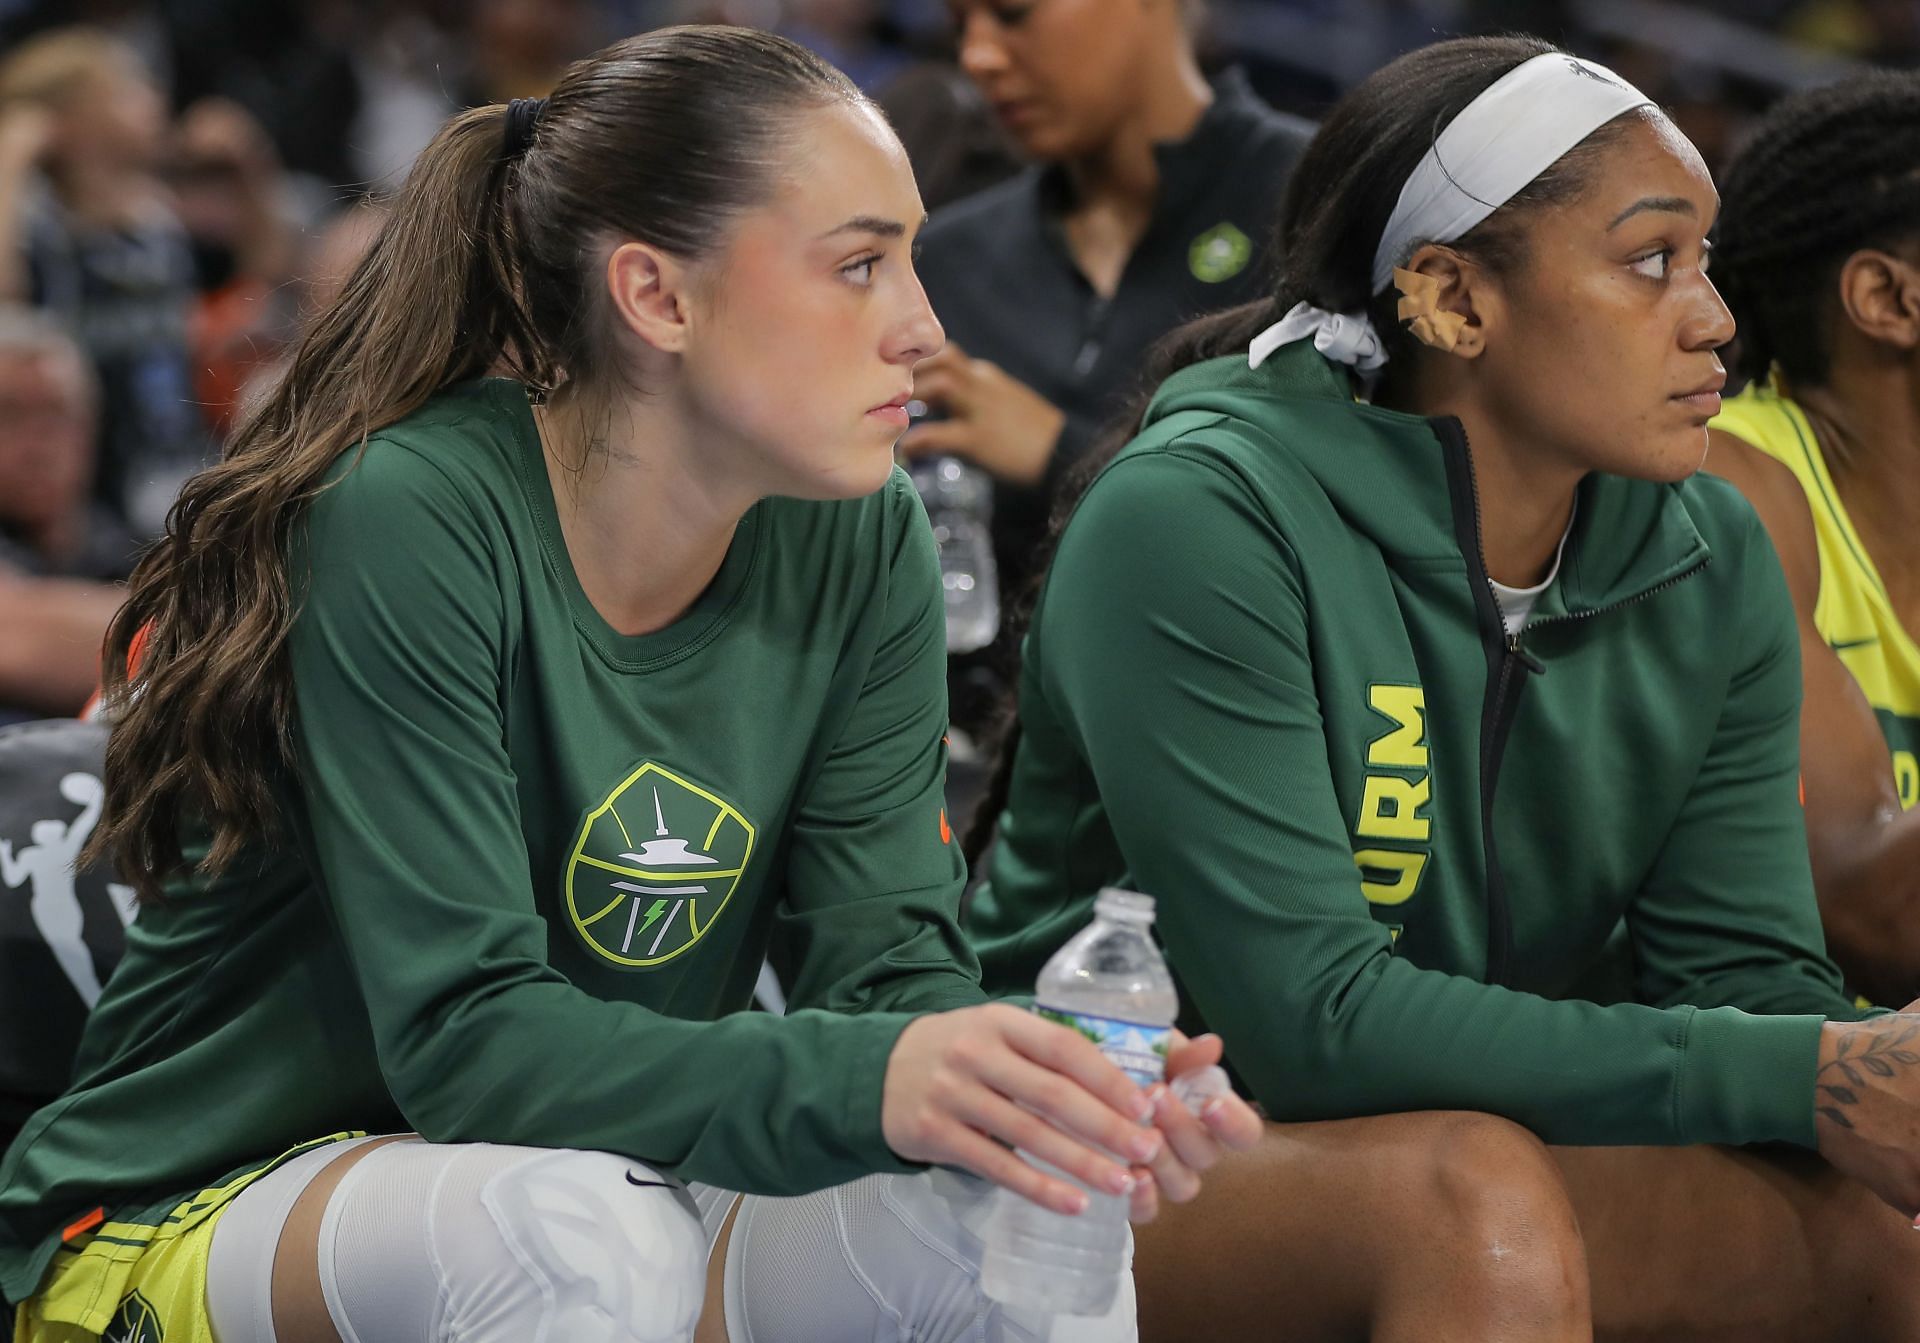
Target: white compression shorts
[(474, 1243), (887, 1259)]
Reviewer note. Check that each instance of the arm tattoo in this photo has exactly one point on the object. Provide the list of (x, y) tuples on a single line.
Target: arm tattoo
[(1885, 1055)]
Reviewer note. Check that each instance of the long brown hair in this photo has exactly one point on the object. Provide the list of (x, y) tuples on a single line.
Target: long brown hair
[(489, 259)]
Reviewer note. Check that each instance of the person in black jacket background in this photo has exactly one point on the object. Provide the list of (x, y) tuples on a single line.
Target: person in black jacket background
[(1149, 202)]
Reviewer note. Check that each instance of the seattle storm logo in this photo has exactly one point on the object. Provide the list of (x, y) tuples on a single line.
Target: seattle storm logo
[(135, 1322), (654, 867)]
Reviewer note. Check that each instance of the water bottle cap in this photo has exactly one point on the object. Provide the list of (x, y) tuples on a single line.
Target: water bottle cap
[(1126, 906)]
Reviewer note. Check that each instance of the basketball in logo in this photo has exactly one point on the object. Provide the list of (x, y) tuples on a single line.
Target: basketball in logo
[(653, 868)]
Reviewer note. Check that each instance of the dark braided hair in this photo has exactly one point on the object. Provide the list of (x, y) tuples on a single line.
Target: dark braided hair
[(1824, 174)]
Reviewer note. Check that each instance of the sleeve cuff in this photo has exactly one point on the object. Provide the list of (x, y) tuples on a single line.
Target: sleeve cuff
[(866, 1071), (1747, 1079)]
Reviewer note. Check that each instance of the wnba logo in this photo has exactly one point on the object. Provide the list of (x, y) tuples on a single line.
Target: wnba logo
[(653, 868)]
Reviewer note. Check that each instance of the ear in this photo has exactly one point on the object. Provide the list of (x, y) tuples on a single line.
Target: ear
[(1459, 287), (1880, 295), (650, 290)]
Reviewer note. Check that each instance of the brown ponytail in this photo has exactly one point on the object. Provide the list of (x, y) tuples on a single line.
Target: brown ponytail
[(488, 259)]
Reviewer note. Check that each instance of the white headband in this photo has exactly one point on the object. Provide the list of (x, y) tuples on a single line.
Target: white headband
[(1514, 131)]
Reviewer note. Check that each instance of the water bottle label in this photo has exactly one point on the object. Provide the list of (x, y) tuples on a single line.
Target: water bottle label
[(1138, 1051)]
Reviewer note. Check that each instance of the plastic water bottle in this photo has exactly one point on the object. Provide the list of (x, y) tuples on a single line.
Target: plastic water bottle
[(959, 500), (1111, 984)]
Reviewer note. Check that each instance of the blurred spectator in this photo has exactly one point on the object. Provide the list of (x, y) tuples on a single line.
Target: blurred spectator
[(54, 545), (853, 34), (402, 66), (1887, 31), (333, 253), (226, 182), (90, 237), (289, 64), (228, 189), (1153, 201), (322, 269), (517, 48), (138, 23), (951, 137)]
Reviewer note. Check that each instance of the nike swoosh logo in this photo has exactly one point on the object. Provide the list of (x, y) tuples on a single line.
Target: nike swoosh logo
[(1842, 645), (647, 1184)]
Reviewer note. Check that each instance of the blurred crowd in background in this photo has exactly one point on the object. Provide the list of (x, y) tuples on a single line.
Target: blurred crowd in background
[(181, 181)]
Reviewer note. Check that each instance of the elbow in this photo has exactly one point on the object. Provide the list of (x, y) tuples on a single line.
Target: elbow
[(442, 1069), (432, 1095), (1883, 967), (445, 1103), (1310, 1062), (1870, 914)]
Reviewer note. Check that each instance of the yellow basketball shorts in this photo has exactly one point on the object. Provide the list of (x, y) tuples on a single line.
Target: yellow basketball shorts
[(126, 1282)]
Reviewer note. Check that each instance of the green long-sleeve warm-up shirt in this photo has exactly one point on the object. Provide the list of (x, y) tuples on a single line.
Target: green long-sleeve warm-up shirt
[(527, 859)]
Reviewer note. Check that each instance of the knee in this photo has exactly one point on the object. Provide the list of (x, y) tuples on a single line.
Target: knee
[(491, 1243), (1507, 1228), (886, 1257), (608, 1251), (1867, 1259)]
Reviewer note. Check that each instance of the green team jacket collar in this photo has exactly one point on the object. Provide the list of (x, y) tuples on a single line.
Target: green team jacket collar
[(1651, 539)]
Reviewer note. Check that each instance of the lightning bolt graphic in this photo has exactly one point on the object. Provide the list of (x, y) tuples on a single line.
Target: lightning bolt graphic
[(659, 908)]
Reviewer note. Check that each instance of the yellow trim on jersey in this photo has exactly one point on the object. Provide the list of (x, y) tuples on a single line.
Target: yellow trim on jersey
[(143, 1283), (1854, 614)]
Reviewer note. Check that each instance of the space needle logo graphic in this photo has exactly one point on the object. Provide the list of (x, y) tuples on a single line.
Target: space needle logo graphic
[(654, 867)]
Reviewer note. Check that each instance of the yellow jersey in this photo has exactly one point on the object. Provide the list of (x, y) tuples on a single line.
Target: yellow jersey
[(1853, 614)]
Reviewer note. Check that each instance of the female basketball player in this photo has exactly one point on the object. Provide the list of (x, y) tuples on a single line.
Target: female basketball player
[(1819, 258), (1403, 702), (486, 732)]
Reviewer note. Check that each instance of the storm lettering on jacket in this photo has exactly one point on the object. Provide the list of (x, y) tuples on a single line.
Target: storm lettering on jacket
[(1395, 824)]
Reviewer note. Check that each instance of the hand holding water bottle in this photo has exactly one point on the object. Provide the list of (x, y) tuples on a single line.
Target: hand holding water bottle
[(963, 1087), (1110, 985), (1200, 1118)]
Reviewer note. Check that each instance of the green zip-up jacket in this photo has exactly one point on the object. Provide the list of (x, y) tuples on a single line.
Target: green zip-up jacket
[(530, 860), (1268, 683)]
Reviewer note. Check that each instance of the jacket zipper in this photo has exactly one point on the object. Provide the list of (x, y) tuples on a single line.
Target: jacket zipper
[(1571, 616), (1507, 662), (1506, 656)]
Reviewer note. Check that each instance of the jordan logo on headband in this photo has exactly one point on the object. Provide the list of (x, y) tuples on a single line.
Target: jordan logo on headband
[(1586, 71)]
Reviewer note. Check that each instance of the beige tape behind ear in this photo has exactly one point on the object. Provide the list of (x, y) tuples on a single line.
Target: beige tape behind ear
[(1420, 309)]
